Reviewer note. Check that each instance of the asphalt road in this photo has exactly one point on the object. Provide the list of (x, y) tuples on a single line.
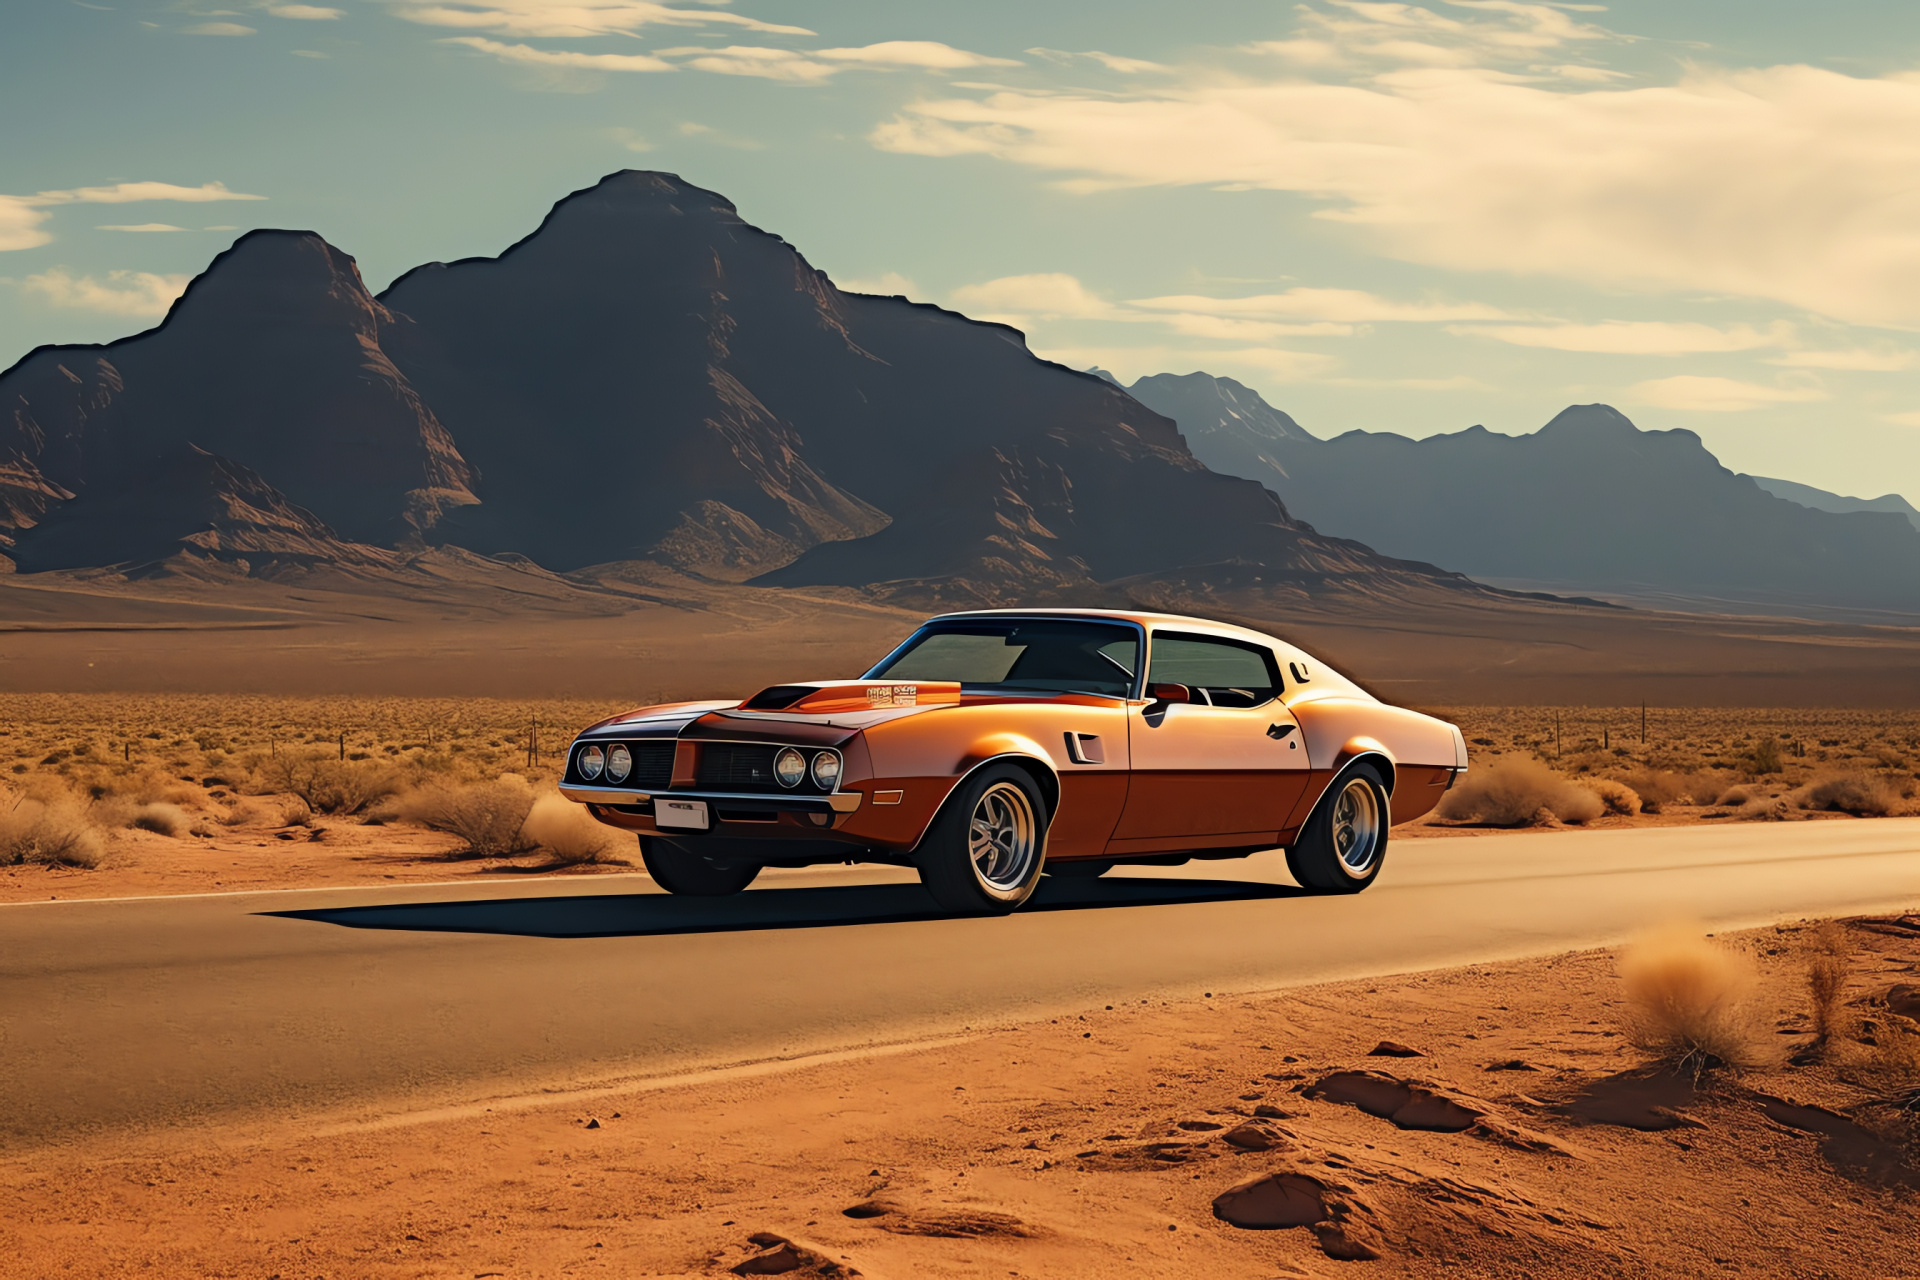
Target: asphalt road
[(117, 1015)]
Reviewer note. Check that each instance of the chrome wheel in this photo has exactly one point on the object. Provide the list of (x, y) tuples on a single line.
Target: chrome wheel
[(1003, 837), (1356, 828)]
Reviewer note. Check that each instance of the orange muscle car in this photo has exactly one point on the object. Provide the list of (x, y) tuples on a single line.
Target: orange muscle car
[(993, 746)]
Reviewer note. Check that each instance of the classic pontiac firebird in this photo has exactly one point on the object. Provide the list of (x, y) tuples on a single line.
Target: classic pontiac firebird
[(993, 746)]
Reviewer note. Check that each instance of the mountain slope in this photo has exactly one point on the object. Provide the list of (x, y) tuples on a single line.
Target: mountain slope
[(649, 376), (1588, 502), (273, 358), (1822, 500), (187, 502)]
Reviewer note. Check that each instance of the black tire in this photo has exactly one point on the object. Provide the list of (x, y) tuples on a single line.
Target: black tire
[(693, 875), (991, 866), (1344, 842), (1080, 869)]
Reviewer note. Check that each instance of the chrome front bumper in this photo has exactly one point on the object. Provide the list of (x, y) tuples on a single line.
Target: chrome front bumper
[(763, 801)]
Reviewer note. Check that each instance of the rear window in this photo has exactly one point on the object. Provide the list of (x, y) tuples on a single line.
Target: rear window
[(1046, 656)]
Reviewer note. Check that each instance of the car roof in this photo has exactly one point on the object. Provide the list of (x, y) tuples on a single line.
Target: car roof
[(1151, 621)]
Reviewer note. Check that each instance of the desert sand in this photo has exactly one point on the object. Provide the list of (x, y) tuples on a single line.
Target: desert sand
[(1488, 1121)]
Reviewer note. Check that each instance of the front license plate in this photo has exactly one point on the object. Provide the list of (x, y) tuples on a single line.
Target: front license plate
[(686, 814)]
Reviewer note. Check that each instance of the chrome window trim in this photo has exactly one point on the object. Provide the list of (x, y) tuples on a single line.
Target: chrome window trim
[(1139, 630)]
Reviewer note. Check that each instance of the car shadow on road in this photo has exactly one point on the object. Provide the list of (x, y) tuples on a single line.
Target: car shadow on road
[(826, 906)]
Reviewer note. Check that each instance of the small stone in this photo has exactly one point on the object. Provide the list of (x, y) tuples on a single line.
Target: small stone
[(592, 1123)]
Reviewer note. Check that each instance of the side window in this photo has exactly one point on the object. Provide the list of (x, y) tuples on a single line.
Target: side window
[(1222, 673)]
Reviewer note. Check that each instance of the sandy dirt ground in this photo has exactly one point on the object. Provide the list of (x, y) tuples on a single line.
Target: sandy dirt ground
[(323, 855), (466, 626), (1510, 1129)]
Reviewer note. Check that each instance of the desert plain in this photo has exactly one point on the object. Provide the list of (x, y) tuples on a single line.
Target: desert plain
[(1532, 1113)]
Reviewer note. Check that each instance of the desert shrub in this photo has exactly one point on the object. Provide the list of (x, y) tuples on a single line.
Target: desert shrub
[(51, 832), (568, 832), (489, 816), (1691, 1003), (295, 812), (1658, 788), (161, 819), (245, 812), (327, 786), (1514, 791), (1860, 794), (1829, 958), (1618, 797)]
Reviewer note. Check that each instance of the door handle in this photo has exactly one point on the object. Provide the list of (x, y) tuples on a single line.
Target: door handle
[(1279, 731)]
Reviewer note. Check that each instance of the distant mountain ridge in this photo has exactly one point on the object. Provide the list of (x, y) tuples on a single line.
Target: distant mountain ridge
[(645, 377), (1590, 502), (1822, 500)]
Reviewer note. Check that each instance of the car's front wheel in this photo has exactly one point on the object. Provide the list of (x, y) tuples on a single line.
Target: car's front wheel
[(1344, 843), (984, 853), (693, 875)]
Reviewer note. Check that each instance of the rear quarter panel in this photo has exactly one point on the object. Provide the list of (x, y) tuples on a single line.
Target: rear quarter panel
[(1339, 728)]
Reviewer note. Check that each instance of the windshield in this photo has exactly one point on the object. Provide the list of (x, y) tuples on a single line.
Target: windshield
[(1051, 655)]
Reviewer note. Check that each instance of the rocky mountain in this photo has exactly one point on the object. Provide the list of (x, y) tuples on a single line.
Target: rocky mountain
[(646, 377), (1588, 503), (188, 502), (273, 359), (1822, 500)]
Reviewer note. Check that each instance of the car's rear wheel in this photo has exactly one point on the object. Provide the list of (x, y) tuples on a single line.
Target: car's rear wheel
[(1344, 843), (687, 873), (1080, 869), (984, 852)]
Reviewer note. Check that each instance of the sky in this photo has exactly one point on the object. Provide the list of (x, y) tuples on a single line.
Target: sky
[(1381, 216)]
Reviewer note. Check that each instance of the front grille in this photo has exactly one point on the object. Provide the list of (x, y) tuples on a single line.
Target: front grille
[(738, 766), (652, 764)]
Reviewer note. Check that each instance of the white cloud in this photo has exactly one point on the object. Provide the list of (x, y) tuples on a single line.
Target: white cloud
[(133, 192), (564, 18), (1787, 183), (122, 293), (560, 57), (930, 54), (218, 29), (752, 60), (810, 66), (887, 284), (1050, 296), (1902, 419), (310, 53), (139, 226), (1631, 337), (305, 12), (21, 216), (1717, 395), (1112, 62), (1044, 296), (1350, 31), (1860, 360), (1346, 306)]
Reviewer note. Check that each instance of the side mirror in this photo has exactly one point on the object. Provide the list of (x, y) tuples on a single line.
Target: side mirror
[(1166, 693)]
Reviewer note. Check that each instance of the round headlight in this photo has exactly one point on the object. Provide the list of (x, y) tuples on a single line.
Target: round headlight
[(619, 764), (826, 770), (789, 766), (592, 761)]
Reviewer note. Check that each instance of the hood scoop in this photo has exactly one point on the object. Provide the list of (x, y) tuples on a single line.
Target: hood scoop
[(837, 697)]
